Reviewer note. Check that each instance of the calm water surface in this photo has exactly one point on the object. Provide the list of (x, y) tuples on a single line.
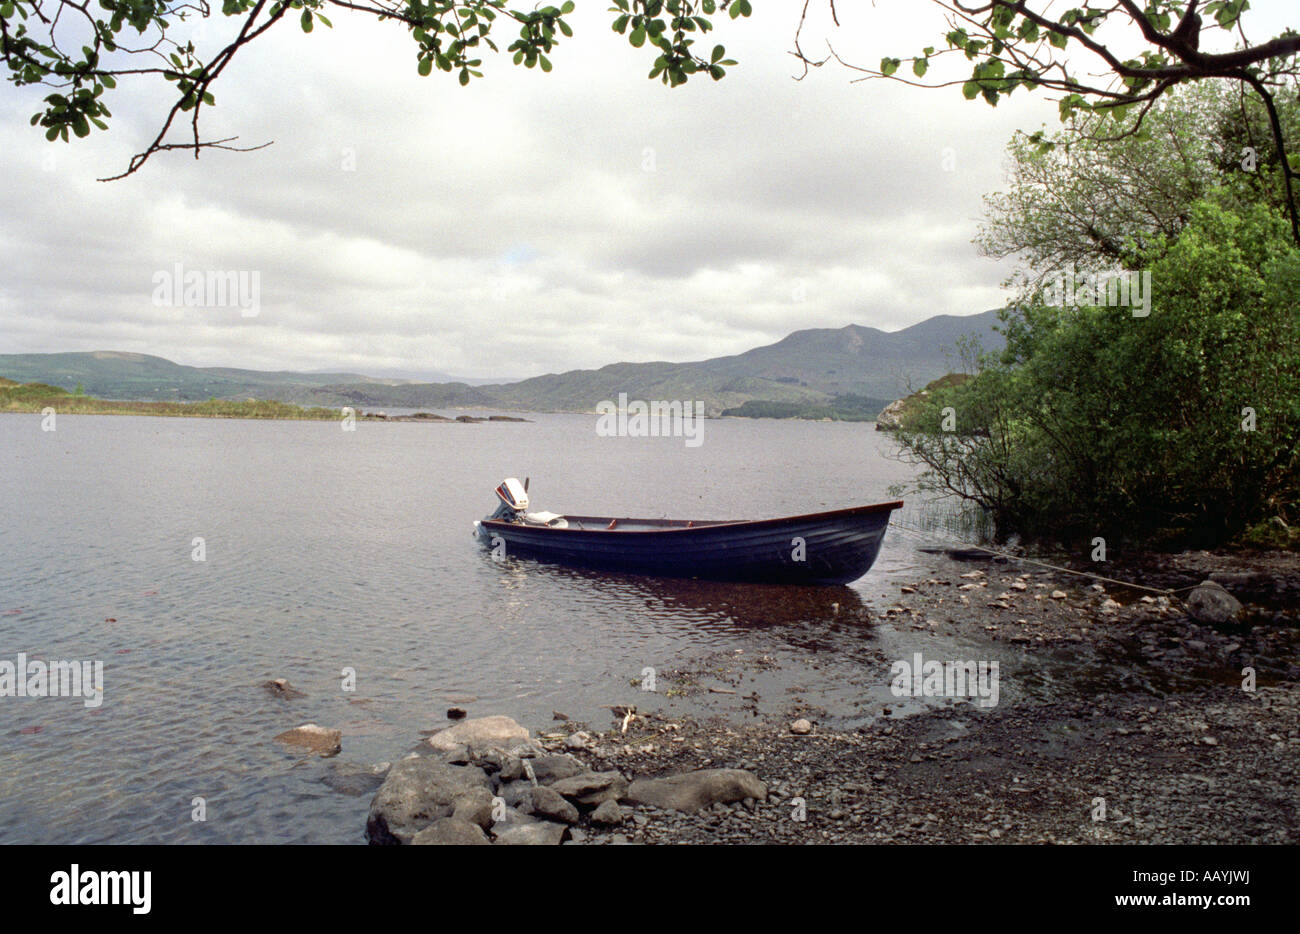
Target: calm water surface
[(328, 550)]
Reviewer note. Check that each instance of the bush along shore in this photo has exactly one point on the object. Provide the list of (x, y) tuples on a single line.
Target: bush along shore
[(39, 398), (1183, 726)]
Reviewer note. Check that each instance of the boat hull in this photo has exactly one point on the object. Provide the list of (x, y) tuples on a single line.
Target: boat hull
[(821, 548)]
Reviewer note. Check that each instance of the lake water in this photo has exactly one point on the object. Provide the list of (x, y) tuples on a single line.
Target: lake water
[(329, 550)]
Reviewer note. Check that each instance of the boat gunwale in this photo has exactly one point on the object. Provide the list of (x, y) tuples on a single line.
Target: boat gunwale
[(703, 524)]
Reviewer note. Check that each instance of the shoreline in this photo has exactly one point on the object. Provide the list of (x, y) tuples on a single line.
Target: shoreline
[(60, 407), (1156, 740)]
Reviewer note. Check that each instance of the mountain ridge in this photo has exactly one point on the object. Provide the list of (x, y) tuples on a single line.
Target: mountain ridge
[(808, 366)]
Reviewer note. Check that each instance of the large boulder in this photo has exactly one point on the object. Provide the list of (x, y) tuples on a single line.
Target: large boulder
[(1209, 603), (450, 831), (694, 791), (418, 792), (480, 734)]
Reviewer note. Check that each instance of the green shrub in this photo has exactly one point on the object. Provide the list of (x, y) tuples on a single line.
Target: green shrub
[(1093, 421)]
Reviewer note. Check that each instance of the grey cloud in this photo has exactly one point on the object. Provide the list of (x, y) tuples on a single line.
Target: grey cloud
[(397, 223)]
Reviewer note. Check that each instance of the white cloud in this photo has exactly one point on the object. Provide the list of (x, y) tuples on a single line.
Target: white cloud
[(526, 224)]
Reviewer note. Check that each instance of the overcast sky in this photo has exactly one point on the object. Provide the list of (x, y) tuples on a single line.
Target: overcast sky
[(530, 223)]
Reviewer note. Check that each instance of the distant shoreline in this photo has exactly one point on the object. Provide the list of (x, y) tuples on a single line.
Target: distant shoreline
[(36, 398)]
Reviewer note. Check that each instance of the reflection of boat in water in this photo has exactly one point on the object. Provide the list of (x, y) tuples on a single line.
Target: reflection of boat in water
[(819, 548), (703, 604)]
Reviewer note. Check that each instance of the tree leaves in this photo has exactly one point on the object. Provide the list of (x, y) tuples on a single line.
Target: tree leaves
[(450, 36)]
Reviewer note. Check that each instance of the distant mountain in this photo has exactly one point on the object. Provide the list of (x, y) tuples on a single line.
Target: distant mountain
[(807, 366), (811, 367)]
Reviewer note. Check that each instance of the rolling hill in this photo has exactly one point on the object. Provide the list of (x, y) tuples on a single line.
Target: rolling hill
[(808, 367)]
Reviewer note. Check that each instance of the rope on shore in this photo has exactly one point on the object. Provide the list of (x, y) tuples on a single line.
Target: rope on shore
[(1043, 564)]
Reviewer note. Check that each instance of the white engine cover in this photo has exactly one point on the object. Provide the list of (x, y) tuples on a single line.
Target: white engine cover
[(513, 494)]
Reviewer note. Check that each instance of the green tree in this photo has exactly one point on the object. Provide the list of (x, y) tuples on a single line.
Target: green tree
[(1185, 423), (1097, 204)]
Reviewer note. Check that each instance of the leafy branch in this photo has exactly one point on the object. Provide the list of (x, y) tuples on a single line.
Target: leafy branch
[(1012, 44), (81, 52)]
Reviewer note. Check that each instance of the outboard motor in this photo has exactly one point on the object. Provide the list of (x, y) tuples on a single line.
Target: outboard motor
[(514, 500), (514, 508), (513, 505)]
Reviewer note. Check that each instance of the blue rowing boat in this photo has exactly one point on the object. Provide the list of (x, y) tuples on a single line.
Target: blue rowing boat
[(820, 548)]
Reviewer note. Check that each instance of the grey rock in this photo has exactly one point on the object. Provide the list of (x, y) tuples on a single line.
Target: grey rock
[(475, 807), (495, 760), (549, 769), (538, 833), (510, 817), (1238, 578), (314, 739), (578, 740), (482, 733), (550, 804), (592, 788), (419, 791), (608, 813), (354, 781), (694, 791), (512, 768), (801, 727), (890, 418), (518, 794), (1210, 603), (450, 831)]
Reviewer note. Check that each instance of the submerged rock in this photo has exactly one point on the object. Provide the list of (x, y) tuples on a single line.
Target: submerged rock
[(355, 781), (694, 791), (314, 739), (282, 688)]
